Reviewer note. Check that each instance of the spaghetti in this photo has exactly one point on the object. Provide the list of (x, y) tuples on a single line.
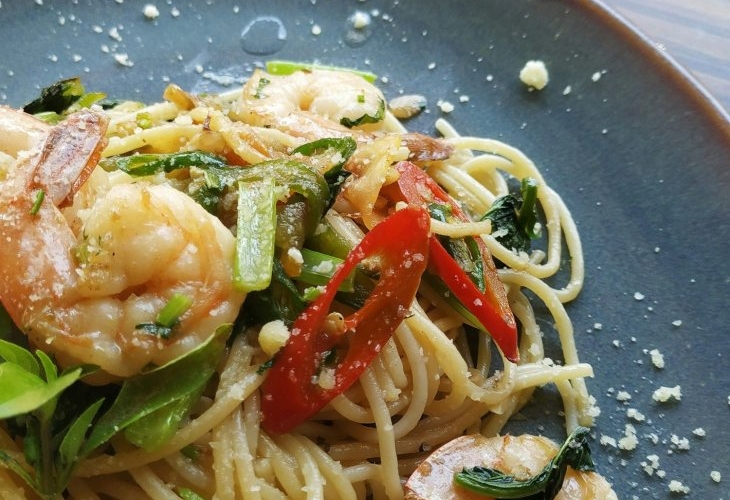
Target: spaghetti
[(435, 379)]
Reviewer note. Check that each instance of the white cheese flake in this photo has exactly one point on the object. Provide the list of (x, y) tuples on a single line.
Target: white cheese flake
[(151, 11), (657, 358), (678, 487), (664, 394), (534, 74)]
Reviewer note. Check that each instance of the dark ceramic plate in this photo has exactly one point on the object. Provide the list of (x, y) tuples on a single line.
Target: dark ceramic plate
[(640, 155)]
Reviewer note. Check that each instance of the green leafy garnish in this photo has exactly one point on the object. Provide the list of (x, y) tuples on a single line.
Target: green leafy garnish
[(281, 300), (57, 434), (149, 405), (514, 217), (30, 389), (56, 98), (366, 118), (544, 486), (150, 164), (330, 155)]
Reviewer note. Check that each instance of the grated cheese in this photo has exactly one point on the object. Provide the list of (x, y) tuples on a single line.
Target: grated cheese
[(534, 74), (664, 394)]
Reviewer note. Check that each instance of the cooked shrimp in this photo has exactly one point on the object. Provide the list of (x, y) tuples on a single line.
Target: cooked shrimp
[(81, 290), (20, 131), (520, 456), (306, 104)]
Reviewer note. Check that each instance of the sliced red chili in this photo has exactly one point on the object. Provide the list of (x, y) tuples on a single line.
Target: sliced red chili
[(490, 307), (295, 388)]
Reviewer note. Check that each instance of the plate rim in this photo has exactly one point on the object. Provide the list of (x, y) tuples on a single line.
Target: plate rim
[(665, 62)]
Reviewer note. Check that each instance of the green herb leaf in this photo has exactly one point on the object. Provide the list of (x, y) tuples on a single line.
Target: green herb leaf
[(57, 97), (281, 300), (73, 440), (514, 216), (366, 118), (22, 391), (150, 164), (544, 486), (331, 154), (19, 356), (162, 387), (155, 429)]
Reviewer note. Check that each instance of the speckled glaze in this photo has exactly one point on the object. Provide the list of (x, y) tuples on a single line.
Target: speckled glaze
[(639, 153)]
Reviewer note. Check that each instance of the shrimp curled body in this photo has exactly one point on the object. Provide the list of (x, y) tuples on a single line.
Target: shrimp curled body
[(305, 104), (80, 272), (521, 456)]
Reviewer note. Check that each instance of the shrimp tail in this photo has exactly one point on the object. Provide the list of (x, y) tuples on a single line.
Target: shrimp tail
[(69, 154)]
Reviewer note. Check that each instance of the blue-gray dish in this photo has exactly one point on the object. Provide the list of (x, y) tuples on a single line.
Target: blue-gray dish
[(640, 154)]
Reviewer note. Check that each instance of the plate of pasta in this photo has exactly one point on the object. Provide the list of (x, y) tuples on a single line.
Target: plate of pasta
[(362, 250)]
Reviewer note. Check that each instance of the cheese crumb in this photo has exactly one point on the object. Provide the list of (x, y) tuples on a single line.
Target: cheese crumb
[(677, 487), (445, 106), (699, 432), (651, 464), (715, 476), (657, 358), (360, 20), (664, 394), (635, 414), (629, 441), (623, 396), (680, 443), (123, 59), (151, 11), (534, 74), (316, 30)]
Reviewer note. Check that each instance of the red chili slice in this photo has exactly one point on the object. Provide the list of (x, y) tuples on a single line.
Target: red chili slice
[(291, 392)]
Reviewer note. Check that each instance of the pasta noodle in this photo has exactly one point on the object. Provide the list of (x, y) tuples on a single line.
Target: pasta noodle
[(434, 379)]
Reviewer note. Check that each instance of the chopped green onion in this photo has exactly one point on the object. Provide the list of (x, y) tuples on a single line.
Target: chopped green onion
[(188, 494), (39, 197), (177, 306), (168, 317), (255, 235), (144, 120), (289, 67), (263, 82)]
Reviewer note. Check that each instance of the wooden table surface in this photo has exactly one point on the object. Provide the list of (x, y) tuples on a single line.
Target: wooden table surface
[(695, 33)]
